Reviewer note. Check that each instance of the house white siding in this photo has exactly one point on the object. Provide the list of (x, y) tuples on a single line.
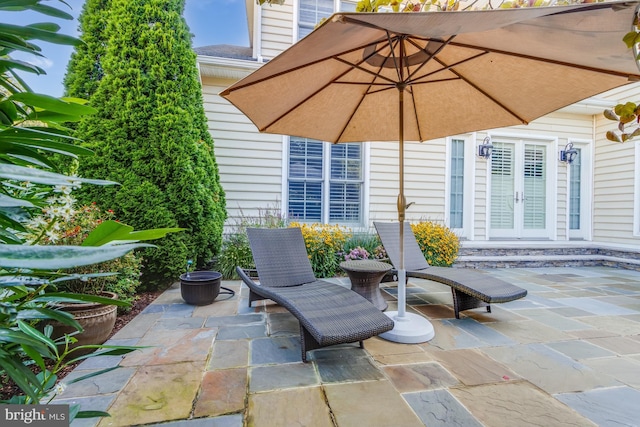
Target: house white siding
[(276, 29), (615, 201), (254, 174), (250, 163)]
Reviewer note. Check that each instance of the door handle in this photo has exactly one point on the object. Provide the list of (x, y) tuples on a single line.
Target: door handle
[(516, 198)]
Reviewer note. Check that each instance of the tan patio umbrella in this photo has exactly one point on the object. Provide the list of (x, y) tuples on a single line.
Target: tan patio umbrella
[(420, 76)]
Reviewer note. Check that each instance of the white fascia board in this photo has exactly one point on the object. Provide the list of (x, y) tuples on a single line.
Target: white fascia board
[(226, 68), (589, 106)]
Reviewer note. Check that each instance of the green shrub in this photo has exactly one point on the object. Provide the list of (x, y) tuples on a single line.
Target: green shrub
[(150, 133), (325, 245), (438, 243), (235, 252), (235, 248), (368, 241)]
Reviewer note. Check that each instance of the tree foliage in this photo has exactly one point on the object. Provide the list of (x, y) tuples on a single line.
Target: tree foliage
[(85, 66), (150, 131)]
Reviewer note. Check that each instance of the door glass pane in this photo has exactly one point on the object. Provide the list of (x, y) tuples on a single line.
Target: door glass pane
[(535, 185), (456, 195), (574, 192), (502, 186)]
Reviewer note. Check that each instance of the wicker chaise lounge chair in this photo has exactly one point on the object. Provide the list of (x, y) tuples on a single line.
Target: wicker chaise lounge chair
[(470, 288), (328, 313)]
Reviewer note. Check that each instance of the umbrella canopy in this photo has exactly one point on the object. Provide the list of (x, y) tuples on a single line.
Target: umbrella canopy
[(464, 71), (420, 76)]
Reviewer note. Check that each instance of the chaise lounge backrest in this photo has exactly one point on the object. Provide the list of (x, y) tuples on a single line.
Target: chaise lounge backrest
[(390, 236), (280, 256)]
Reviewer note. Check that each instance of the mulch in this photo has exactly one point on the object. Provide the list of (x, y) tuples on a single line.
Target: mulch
[(8, 387)]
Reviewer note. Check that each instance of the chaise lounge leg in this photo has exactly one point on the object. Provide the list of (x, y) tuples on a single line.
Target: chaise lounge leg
[(308, 342), (462, 302)]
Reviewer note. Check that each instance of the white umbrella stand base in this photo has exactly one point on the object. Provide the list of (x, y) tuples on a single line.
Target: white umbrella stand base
[(409, 329)]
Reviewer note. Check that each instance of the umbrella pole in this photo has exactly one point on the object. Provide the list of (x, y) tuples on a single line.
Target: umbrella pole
[(402, 206), (409, 328)]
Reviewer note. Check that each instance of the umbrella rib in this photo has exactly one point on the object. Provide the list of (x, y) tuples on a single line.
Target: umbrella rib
[(299, 67), (483, 92), (548, 60)]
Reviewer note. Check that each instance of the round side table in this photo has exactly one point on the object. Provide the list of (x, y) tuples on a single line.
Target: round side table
[(365, 276)]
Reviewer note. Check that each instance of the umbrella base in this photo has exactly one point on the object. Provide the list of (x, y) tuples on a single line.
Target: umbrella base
[(409, 329)]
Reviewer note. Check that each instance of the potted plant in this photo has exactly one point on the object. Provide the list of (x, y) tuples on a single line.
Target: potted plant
[(61, 223)]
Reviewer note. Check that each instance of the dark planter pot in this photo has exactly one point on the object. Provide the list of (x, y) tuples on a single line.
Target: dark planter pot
[(200, 287), (96, 319)]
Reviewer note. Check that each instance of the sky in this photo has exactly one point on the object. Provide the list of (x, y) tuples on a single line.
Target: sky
[(210, 21)]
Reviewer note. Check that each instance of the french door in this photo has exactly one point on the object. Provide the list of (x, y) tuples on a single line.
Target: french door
[(519, 188)]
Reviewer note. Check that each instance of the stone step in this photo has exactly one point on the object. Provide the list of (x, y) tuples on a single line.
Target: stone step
[(549, 260)]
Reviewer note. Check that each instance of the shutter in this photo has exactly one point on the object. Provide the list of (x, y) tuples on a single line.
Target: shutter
[(502, 186), (535, 185)]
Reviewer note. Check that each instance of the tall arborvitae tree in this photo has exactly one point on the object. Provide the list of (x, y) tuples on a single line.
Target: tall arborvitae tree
[(150, 134), (84, 71)]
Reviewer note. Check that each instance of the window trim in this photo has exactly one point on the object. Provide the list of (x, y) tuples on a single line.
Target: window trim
[(468, 205), (586, 196), (326, 166)]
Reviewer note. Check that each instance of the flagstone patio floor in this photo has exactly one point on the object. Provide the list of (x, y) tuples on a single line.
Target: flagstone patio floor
[(566, 355)]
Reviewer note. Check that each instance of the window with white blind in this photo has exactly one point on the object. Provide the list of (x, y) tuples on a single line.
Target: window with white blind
[(325, 182), (311, 12)]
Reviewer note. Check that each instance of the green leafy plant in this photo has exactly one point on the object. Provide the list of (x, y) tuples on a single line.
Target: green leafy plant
[(324, 244), (235, 248), (438, 243), (235, 252), (61, 223), (34, 142), (364, 241)]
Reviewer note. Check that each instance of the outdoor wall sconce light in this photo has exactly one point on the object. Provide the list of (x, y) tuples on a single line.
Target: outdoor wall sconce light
[(484, 150), (569, 154)]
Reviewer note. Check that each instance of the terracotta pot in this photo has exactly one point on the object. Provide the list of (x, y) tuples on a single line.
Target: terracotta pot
[(96, 319), (200, 287)]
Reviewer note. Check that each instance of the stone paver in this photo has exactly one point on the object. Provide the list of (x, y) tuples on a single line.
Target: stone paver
[(472, 367), (568, 354), (273, 377), (551, 371), (375, 403), (421, 376), (157, 393), (516, 404), (438, 408), (606, 407), (294, 407), (222, 392), (229, 354)]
